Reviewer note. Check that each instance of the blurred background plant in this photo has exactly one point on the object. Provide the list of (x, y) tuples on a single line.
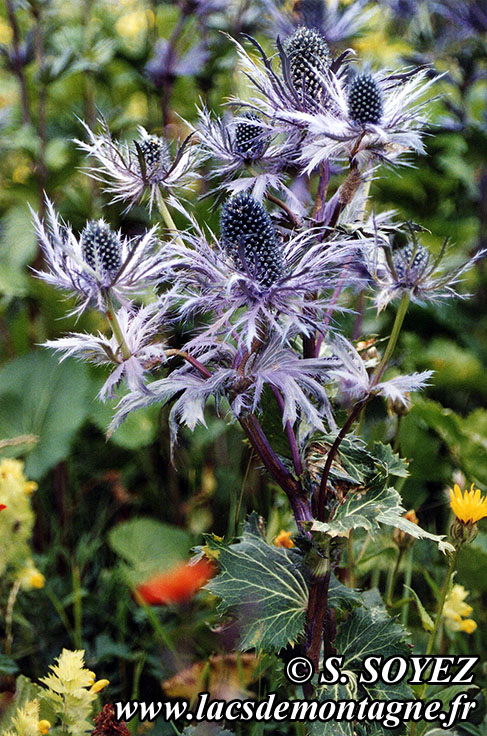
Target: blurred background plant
[(110, 516)]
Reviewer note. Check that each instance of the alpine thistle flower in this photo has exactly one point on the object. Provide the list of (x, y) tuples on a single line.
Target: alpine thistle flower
[(101, 248), (247, 142), (246, 153), (374, 118), (146, 166), (309, 58), (249, 237), (100, 260), (250, 280), (138, 330), (300, 89), (412, 269), (365, 100)]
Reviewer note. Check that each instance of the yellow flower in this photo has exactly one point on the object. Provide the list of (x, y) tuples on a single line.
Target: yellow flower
[(30, 577), (44, 726), (99, 685), (283, 539), (30, 486), (455, 611), (11, 469), (469, 507), (468, 625)]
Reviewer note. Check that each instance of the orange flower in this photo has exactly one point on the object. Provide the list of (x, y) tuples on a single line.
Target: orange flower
[(283, 539), (178, 584)]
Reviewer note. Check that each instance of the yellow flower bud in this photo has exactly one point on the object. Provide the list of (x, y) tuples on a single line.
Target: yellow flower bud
[(99, 685), (37, 579), (30, 486), (44, 726)]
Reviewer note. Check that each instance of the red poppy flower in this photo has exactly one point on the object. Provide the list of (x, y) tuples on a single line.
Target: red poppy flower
[(178, 584), (2, 506)]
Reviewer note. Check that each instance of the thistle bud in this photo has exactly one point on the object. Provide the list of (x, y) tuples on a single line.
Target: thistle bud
[(410, 262), (249, 237), (155, 151), (247, 142), (101, 247), (365, 100), (308, 56), (400, 407)]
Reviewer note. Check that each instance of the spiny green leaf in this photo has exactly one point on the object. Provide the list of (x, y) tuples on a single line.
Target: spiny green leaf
[(369, 509), (265, 583)]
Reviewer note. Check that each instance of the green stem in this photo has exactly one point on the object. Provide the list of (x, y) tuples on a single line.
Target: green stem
[(111, 316), (392, 579), (436, 625), (408, 575), (167, 217), (444, 593), (396, 329)]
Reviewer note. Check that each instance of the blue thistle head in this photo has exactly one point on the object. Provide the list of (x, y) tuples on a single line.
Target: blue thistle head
[(101, 248), (308, 55), (410, 262), (155, 151), (250, 239), (247, 142), (365, 100)]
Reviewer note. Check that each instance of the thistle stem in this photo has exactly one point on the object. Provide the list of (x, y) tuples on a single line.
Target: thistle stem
[(167, 217), (319, 503), (293, 444), (396, 329), (111, 316), (277, 469), (290, 214), (195, 363)]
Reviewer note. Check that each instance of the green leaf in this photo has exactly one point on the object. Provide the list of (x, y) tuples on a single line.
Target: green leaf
[(368, 509), (389, 460), (265, 583), (426, 619), (40, 396), (341, 597), (332, 728), (149, 547), (370, 631)]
